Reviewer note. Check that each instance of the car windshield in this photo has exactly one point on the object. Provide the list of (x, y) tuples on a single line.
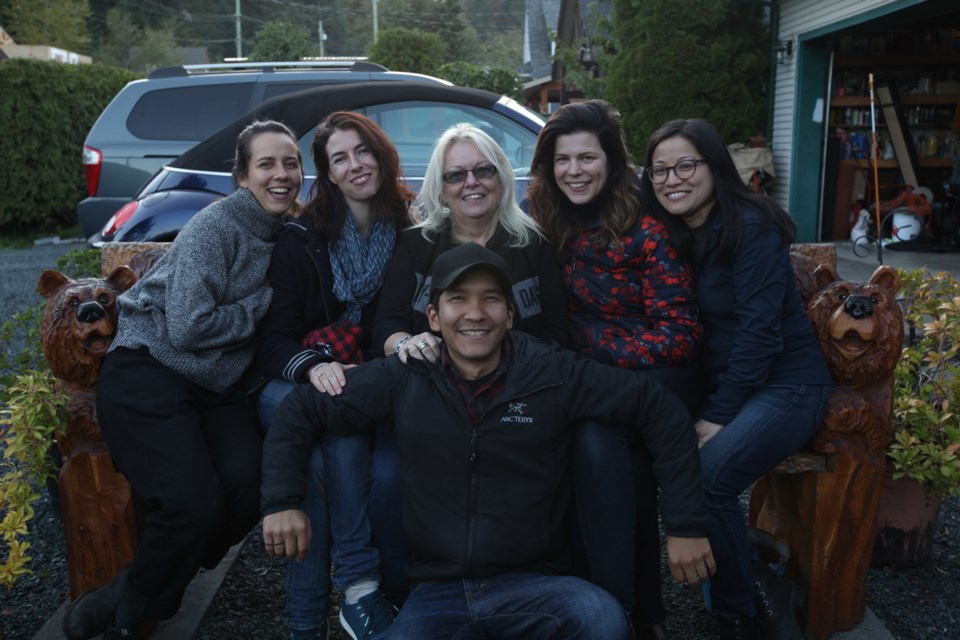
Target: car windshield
[(414, 127)]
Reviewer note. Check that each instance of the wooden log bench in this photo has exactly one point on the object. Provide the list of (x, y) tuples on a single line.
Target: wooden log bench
[(823, 501)]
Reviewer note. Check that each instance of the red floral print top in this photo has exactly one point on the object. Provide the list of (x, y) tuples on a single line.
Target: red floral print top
[(632, 306)]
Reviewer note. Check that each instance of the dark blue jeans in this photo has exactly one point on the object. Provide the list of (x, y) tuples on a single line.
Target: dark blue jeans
[(386, 515), (335, 501), (616, 506), (773, 424), (525, 606)]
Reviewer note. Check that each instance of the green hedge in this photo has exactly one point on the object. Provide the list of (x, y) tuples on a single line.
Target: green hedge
[(46, 110)]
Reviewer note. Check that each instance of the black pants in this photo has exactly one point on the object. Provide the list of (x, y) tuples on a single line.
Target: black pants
[(192, 457)]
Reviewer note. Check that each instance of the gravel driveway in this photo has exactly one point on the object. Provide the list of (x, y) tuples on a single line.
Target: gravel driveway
[(914, 604), (21, 268)]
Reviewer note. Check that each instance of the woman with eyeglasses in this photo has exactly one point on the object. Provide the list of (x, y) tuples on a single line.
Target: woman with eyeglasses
[(767, 380), (468, 195), (630, 303)]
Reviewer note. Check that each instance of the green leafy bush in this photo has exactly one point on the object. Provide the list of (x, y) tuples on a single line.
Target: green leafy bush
[(926, 427), (32, 411), (46, 110), (402, 49), (80, 263), (35, 410), (495, 79)]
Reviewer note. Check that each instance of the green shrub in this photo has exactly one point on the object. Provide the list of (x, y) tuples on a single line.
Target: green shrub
[(495, 79), (80, 263), (402, 49), (46, 110)]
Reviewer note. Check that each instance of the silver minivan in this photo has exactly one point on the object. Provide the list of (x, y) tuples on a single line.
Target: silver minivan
[(152, 121)]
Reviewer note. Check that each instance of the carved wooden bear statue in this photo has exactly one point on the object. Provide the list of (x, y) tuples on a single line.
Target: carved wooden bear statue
[(78, 327), (859, 327), (829, 519)]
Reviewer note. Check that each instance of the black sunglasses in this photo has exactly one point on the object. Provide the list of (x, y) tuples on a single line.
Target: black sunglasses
[(480, 173)]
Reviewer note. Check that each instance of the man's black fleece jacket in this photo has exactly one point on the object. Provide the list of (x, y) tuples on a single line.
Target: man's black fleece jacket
[(492, 499)]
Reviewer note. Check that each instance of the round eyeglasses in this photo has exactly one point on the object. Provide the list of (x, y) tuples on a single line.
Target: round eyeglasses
[(683, 170), (480, 173)]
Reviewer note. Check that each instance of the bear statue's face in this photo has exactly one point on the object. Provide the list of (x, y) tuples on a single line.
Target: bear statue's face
[(79, 322), (859, 325)]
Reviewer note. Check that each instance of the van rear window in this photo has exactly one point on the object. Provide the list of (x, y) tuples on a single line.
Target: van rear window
[(188, 113)]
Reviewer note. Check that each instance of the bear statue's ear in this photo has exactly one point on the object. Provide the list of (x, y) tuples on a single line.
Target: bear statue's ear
[(122, 278), (887, 277), (824, 276), (50, 282)]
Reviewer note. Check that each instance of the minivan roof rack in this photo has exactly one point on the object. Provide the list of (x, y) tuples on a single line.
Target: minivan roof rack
[(346, 64)]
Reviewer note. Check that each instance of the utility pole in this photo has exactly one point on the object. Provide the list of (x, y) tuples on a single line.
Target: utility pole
[(374, 20), (239, 36), (321, 35)]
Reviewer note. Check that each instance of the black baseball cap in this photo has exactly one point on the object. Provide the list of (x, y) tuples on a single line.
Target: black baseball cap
[(451, 265)]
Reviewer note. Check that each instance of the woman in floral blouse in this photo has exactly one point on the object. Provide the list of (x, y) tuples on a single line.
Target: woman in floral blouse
[(631, 305)]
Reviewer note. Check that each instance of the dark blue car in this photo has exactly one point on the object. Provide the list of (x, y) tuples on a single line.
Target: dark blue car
[(412, 114)]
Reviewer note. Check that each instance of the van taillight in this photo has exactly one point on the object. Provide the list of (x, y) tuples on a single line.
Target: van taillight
[(92, 161), (119, 219)]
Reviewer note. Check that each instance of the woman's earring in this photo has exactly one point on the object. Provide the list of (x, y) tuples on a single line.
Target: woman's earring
[(445, 210)]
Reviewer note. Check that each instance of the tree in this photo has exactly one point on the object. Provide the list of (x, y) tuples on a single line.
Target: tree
[(58, 23), (140, 49), (501, 49), (695, 59), (280, 40), (401, 49), (495, 79)]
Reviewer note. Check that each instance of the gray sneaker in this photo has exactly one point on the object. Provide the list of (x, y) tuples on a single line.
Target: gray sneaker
[(369, 618)]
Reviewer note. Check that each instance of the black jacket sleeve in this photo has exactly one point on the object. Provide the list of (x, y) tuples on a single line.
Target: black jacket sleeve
[(297, 306), (399, 286), (306, 414)]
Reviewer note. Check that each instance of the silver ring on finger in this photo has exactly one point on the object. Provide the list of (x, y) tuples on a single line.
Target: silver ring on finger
[(422, 345)]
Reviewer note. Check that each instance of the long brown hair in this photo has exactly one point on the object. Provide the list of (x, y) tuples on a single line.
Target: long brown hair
[(618, 205), (327, 208)]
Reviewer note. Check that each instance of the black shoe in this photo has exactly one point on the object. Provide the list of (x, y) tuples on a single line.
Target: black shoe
[(115, 633), (780, 601), (89, 615), (649, 632), (735, 626)]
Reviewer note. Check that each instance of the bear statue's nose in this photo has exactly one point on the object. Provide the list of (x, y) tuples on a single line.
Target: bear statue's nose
[(90, 312), (859, 306)]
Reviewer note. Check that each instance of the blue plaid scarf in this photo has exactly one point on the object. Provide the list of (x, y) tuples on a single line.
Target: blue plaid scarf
[(358, 264)]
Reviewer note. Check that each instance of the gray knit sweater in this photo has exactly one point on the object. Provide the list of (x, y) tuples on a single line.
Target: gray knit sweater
[(197, 309)]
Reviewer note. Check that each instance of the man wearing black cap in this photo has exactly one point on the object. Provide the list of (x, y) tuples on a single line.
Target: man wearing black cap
[(484, 440)]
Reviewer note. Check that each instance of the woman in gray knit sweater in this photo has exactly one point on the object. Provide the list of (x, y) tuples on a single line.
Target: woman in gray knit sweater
[(169, 399)]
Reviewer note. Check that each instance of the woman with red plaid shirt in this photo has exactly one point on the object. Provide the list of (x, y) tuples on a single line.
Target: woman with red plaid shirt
[(326, 272), (631, 305)]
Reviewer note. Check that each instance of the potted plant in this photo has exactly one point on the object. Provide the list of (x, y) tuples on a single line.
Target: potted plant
[(924, 454)]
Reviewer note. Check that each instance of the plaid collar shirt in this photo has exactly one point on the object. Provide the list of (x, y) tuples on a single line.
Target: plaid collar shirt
[(478, 394)]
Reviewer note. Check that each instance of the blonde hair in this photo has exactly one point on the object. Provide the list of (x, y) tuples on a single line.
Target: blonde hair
[(519, 225)]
